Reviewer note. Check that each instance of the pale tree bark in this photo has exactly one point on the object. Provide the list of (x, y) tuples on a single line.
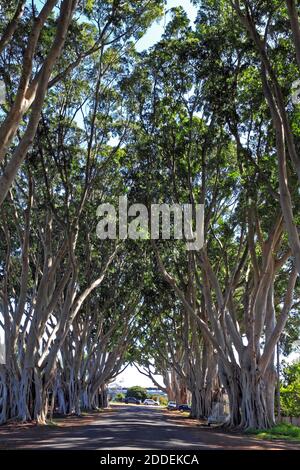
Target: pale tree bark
[(281, 124), (247, 375), (166, 388), (203, 379), (26, 90), (9, 127), (89, 361), (32, 347)]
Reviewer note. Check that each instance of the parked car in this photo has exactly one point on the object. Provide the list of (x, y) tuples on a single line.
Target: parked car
[(184, 407), (132, 400), (149, 401), (172, 405)]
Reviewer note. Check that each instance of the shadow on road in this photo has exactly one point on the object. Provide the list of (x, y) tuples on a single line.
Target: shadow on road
[(131, 427)]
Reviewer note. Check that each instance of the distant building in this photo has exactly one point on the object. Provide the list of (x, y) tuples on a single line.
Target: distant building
[(115, 389)]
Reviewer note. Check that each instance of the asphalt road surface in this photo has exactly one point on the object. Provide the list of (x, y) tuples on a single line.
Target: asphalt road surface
[(131, 428)]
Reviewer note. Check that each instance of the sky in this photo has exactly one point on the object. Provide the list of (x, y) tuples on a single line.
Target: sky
[(131, 377)]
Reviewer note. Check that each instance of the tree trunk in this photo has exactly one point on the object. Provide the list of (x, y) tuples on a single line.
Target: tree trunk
[(257, 407)]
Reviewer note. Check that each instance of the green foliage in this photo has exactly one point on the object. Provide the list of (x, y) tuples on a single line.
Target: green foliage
[(163, 401), (153, 397), (291, 373), (119, 397), (290, 390), (280, 431)]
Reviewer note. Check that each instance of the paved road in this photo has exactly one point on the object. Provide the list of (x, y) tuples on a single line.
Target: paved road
[(130, 427)]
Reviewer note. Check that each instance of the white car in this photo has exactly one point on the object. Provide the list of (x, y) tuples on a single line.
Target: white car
[(172, 405), (149, 401)]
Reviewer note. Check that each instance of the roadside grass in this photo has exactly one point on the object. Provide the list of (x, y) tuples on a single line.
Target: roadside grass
[(186, 414), (280, 431)]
